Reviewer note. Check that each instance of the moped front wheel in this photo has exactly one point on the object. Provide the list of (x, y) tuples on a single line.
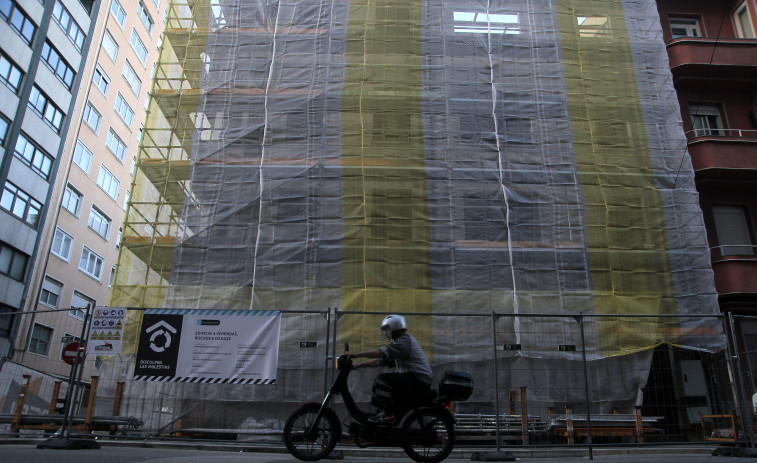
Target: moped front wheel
[(432, 434), (307, 442)]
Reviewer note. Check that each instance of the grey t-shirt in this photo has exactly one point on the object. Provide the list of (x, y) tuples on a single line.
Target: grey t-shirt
[(406, 355)]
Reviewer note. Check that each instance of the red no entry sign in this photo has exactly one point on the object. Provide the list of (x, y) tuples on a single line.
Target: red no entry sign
[(70, 351)]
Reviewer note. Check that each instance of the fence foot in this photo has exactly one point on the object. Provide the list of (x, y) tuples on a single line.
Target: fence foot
[(492, 456), (68, 444)]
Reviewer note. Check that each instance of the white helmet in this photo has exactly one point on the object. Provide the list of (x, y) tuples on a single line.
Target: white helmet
[(394, 323)]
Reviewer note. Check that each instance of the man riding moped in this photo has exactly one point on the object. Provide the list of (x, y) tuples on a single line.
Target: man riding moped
[(395, 392)]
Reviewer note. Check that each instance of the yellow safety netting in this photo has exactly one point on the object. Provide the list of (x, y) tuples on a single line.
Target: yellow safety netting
[(421, 156)]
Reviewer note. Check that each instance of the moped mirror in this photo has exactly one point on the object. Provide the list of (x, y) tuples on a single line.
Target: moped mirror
[(346, 346)]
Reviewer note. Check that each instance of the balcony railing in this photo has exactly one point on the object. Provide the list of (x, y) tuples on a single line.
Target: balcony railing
[(733, 250), (726, 133)]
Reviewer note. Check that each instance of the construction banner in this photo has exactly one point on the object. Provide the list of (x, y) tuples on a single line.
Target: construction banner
[(208, 346)]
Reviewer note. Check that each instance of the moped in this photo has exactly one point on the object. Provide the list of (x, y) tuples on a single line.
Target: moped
[(425, 430)]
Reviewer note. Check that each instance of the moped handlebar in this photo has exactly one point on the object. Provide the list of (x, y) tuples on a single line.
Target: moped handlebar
[(344, 362)]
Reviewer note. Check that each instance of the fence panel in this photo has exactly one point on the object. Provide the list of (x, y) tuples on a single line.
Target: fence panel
[(539, 379)]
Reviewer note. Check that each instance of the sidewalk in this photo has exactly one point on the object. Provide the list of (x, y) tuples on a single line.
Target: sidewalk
[(160, 451)]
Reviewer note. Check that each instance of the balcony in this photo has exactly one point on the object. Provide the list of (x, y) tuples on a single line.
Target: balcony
[(735, 268), (698, 58), (718, 151)]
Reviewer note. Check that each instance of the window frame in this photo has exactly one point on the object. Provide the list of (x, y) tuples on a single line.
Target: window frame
[(101, 79), (119, 151), (40, 162), (14, 254), (743, 7), (84, 150), (145, 18), (11, 17), (43, 106), (99, 222), (138, 45), (67, 74), (690, 24), (71, 28), (727, 229), (109, 43), (21, 199), (49, 285), (108, 182), (91, 258), (123, 110), (13, 69), (132, 79), (89, 110), (705, 115), (64, 238), (77, 312), (69, 193), (33, 339), (116, 5)]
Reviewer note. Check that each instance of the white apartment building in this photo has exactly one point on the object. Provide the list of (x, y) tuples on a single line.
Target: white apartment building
[(79, 244)]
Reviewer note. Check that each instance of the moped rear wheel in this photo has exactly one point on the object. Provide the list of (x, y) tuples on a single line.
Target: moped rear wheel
[(320, 442), (433, 435)]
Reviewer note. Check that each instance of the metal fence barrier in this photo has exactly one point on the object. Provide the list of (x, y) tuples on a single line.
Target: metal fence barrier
[(539, 380)]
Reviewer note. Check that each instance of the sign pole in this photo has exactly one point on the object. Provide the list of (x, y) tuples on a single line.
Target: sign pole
[(65, 441)]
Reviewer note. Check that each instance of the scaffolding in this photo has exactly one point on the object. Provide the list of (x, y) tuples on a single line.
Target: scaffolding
[(421, 157)]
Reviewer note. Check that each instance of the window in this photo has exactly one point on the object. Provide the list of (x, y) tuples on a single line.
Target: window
[(706, 120), (472, 22), (39, 343), (112, 276), (108, 182), (127, 195), (79, 305), (18, 20), (110, 46), (91, 264), (51, 292), (10, 74), (46, 109), (4, 126), (62, 70), (733, 230), (118, 238), (135, 84), (138, 46), (124, 110), (6, 320), (685, 27), (72, 200), (82, 156), (101, 80), (92, 117), (99, 222), (144, 16), (33, 156), (115, 145), (20, 204), (12, 262), (118, 12), (69, 26), (62, 244), (743, 22)]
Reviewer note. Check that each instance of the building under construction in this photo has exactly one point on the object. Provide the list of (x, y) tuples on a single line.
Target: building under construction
[(429, 157)]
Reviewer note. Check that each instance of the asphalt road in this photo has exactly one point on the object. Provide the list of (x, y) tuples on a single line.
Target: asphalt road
[(27, 453)]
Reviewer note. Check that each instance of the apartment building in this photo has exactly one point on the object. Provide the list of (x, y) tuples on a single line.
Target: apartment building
[(43, 54), (713, 51), (79, 244)]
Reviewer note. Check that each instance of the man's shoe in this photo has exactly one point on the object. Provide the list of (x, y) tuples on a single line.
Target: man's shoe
[(382, 418)]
